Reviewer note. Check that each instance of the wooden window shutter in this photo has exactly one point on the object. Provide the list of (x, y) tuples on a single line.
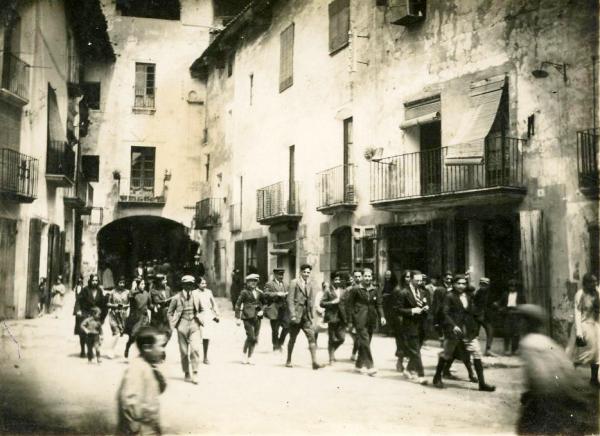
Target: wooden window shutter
[(262, 259), (140, 80), (339, 24), (286, 59)]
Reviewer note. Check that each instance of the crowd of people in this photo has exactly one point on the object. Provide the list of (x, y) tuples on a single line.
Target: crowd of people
[(411, 309)]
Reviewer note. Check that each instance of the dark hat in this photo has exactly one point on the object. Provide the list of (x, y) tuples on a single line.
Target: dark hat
[(278, 270)]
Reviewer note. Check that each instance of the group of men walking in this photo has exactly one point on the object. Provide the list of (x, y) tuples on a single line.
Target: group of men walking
[(358, 309)]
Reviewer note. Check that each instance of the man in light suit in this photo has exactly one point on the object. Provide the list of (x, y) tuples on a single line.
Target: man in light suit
[(276, 292), (300, 300), (184, 316)]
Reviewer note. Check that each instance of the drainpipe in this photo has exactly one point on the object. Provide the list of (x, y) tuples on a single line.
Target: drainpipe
[(594, 96)]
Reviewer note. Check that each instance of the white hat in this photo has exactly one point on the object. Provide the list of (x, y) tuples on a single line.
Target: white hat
[(188, 279), (252, 277)]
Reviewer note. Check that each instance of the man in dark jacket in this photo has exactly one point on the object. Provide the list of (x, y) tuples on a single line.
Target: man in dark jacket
[(364, 309), (460, 325), (411, 307), (507, 306), (334, 317), (276, 297), (249, 310), (300, 305)]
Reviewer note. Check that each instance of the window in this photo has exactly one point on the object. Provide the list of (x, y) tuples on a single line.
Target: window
[(286, 58), (159, 9), (91, 93), (251, 257), (142, 171), (339, 24), (144, 85), (207, 166)]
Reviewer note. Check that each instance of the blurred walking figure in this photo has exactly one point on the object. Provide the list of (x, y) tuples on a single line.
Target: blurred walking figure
[(160, 297), (42, 291), (583, 347), (57, 296), (249, 310), (139, 312), (209, 316), (336, 325), (555, 401), (92, 327), (141, 386), (184, 316), (276, 310), (319, 325), (482, 313), (398, 320), (118, 306), (237, 284)]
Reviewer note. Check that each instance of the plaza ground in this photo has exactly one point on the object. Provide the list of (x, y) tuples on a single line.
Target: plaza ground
[(49, 389)]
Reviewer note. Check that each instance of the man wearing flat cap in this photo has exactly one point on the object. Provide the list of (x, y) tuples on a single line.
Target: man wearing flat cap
[(481, 309), (249, 310), (184, 316), (276, 292)]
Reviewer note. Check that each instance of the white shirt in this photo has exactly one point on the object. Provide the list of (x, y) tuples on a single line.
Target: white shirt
[(512, 299), (464, 300)]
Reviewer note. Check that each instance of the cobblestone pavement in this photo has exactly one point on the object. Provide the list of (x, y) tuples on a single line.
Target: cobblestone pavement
[(49, 389)]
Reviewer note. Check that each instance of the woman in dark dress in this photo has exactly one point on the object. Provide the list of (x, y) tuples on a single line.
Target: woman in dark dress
[(139, 312), (90, 296)]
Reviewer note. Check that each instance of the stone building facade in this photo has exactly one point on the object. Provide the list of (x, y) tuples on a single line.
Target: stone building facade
[(428, 135)]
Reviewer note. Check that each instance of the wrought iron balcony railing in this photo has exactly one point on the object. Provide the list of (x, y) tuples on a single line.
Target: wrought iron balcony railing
[(235, 217), (425, 174), (139, 193), (15, 75), (18, 175), (587, 160), (60, 163), (279, 202), (335, 188), (208, 213)]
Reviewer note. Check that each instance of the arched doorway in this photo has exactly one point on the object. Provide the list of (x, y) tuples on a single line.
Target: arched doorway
[(124, 242)]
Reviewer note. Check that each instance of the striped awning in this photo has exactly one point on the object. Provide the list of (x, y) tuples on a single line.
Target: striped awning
[(421, 111), (468, 146)]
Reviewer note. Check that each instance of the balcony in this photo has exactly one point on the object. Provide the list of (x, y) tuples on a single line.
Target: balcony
[(208, 213), (18, 176), (278, 204), (235, 217), (80, 196), (335, 188), (136, 195), (587, 161), (60, 163), (419, 179), (14, 83)]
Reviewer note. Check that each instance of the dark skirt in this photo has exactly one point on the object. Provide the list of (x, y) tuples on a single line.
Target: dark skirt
[(78, 320), (136, 321)]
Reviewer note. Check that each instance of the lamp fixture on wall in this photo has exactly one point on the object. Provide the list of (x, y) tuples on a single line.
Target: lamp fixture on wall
[(541, 73)]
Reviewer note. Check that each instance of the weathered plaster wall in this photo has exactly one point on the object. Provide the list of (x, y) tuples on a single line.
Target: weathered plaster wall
[(387, 65), (174, 129)]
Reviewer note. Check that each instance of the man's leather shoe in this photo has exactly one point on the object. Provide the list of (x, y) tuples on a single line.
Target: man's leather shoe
[(487, 388)]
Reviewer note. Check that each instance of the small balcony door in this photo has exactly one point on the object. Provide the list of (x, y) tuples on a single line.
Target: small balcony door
[(348, 141), (142, 171), (430, 159)]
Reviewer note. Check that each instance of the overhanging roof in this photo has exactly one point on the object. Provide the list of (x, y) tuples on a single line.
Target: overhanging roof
[(229, 33)]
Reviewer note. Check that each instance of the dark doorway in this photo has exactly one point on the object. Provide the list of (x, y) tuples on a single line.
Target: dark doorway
[(341, 250), (124, 242), (407, 248), (430, 159), (33, 267), (501, 253)]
